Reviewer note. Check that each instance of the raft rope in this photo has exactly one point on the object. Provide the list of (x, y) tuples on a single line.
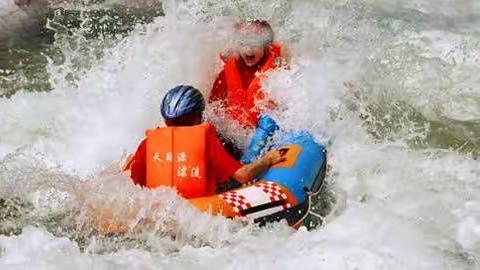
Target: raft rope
[(311, 194)]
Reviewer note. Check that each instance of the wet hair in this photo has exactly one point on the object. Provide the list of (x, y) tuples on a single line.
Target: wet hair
[(256, 27), (185, 121)]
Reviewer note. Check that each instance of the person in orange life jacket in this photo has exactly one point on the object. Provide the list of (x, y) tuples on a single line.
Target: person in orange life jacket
[(238, 86), (187, 154)]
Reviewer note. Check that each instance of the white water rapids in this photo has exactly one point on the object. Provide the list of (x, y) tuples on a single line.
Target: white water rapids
[(394, 87)]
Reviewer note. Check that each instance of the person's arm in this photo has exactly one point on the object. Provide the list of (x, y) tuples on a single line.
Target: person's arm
[(219, 88), (221, 163), (138, 165), (253, 170)]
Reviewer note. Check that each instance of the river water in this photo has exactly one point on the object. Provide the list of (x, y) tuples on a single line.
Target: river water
[(393, 87)]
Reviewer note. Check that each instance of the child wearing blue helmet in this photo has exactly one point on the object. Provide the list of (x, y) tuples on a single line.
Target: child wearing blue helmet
[(187, 154)]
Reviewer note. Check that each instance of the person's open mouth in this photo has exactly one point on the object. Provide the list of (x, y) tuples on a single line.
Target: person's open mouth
[(250, 58)]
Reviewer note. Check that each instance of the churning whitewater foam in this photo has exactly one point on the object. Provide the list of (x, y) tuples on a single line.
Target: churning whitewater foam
[(393, 89), (16, 19)]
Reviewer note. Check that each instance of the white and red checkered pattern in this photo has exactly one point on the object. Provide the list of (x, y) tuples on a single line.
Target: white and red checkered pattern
[(261, 193), (273, 190), (236, 200)]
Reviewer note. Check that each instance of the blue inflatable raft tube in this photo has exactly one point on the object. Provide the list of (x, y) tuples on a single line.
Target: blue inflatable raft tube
[(305, 160), (302, 172)]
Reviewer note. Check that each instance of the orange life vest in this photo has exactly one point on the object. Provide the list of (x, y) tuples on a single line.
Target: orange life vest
[(241, 99), (177, 157)]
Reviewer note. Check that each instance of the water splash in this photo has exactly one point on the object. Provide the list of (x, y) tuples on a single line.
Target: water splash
[(395, 96)]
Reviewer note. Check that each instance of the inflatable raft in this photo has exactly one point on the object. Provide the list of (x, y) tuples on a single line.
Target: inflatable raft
[(283, 191)]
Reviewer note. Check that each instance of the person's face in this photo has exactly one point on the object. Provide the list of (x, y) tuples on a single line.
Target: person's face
[(252, 54)]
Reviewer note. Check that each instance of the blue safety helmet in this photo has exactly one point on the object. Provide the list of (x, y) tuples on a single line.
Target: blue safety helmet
[(181, 101)]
